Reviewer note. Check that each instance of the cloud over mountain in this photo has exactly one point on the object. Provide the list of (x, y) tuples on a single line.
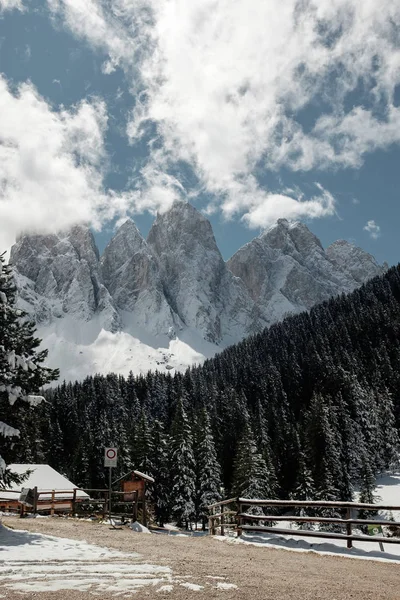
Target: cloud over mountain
[(227, 85)]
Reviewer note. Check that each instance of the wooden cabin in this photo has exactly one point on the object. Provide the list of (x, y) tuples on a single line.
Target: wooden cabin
[(133, 484), (49, 491)]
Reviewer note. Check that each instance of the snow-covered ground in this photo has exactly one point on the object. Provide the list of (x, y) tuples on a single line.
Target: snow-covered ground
[(32, 563), (387, 493)]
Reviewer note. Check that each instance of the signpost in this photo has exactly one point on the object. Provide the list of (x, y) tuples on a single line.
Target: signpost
[(110, 461), (376, 530)]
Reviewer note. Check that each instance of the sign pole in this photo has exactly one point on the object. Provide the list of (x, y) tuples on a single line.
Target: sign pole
[(110, 461), (109, 491)]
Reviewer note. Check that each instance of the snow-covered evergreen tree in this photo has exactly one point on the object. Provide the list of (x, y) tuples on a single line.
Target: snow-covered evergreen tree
[(182, 467), (160, 490), (305, 486), (21, 371), (208, 469), (367, 487), (143, 446), (251, 477)]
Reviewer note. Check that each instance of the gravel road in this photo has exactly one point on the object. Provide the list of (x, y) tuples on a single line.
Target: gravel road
[(207, 568)]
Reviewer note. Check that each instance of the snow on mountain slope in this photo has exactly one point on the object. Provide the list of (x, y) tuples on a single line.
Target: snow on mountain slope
[(171, 301), (80, 349)]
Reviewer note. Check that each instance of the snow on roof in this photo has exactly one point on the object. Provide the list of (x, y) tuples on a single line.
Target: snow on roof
[(45, 478), (138, 473), (144, 476)]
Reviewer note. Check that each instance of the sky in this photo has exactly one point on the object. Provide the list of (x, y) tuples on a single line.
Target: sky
[(251, 110)]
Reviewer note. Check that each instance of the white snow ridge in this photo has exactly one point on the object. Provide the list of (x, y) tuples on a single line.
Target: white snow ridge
[(171, 301)]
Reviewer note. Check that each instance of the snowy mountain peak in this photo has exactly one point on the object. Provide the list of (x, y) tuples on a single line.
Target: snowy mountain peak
[(198, 284), (129, 232), (181, 224), (288, 236), (131, 274), (59, 274), (354, 261), (171, 300), (287, 270)]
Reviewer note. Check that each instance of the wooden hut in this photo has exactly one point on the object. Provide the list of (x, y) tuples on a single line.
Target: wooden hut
[(133, 484), (49, 491)]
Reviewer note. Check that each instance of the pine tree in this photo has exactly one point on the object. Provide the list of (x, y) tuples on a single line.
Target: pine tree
[(21, 371), (160, 492), (208, 469), (264, 444), (251, 477), (182, 467), (367, 484), (305, 486), (367, 487), (304, 490), (143, 446)]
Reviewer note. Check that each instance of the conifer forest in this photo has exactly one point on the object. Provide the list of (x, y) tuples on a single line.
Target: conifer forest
[(308, 409)]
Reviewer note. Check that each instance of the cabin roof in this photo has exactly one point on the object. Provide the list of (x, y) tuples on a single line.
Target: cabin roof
[(44, 477), (138, 474)]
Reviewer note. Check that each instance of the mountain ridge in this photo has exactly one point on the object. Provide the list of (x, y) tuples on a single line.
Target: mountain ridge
[(171, 300)]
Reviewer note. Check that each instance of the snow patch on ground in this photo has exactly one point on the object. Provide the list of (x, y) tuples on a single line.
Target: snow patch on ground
[(364, 550), (388, 491), (221, 585), (165, 588), (32, 563), (192, 586), (138, 527)]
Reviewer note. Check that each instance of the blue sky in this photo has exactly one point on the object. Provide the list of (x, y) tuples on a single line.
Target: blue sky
[(249, 110)]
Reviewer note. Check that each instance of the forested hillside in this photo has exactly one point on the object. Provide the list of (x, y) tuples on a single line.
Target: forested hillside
[(308, 408)]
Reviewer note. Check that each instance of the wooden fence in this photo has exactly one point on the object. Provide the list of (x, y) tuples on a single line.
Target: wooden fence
[(222, 516), (68, 501)]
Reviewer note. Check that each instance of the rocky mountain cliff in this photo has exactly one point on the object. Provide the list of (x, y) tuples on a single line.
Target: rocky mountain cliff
[(171, 300), (60, 275), (286, 269), (132, 276), (197, 283)]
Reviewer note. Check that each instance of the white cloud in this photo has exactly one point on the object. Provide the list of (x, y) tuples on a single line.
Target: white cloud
[(373, 229), (225, 82), (11, 4), (51, 165), (271, 207)]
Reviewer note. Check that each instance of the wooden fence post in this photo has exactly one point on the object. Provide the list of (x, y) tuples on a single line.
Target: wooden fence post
[(144, 519), (73, 505), (239, 520), (349, 527), (53, 494), (135, 505), (222, 520), (105, 504), (35, 500), (209, 524)]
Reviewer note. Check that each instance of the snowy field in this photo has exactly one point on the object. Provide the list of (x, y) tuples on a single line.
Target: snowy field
[(32, 563), (387, 493)]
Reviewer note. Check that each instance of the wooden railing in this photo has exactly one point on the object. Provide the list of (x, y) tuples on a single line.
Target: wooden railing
[(221, 518), (69, 501)]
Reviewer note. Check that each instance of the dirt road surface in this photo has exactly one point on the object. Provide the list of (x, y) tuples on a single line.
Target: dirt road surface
[(207, 568)]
